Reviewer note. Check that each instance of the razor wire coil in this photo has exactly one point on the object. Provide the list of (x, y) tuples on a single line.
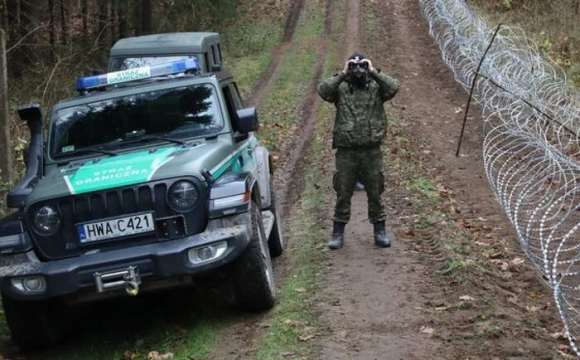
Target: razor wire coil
[(531, 146)]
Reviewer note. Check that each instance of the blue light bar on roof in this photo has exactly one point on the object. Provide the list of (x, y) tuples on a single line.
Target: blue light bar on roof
[(145, 72)]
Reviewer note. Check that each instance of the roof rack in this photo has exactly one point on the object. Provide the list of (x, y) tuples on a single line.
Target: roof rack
[(145, 72)]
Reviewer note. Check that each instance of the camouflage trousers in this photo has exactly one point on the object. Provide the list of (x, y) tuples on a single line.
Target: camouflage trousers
[(364, 164)]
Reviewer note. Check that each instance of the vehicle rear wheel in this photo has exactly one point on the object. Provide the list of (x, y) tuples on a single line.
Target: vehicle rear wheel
[(275, 241), (36, 325), (253, 276)]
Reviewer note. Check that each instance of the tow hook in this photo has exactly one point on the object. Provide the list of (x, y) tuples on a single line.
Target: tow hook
[(127, 279), (132, 281)]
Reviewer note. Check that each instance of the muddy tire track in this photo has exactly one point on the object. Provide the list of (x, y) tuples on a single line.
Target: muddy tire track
[(291, 174), (372, 294), (241, 337), (263, 86)]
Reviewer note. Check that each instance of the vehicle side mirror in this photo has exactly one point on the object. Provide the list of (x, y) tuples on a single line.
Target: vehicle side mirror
[(216, 68), (247, 120), (17, 196)]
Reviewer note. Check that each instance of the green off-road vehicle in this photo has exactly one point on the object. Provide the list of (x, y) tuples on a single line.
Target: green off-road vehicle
[(149, 178)]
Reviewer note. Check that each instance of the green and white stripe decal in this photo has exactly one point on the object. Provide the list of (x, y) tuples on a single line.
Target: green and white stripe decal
[(118, 171), (231, 159)]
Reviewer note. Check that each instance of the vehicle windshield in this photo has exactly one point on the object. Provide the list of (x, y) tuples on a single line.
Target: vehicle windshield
[(118, 64), (176, 113)]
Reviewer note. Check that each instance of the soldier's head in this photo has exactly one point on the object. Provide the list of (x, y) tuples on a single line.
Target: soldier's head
[(357, 66)]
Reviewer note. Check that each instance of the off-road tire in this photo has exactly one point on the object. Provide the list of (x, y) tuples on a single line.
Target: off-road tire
[(36, 325), (275, 241), (253, 276)]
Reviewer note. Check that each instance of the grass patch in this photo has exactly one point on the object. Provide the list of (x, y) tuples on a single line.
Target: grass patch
[(183, 328), (248, 48), (552, 25), (296, 319), (426, 187), (453, 266), (281, 111)]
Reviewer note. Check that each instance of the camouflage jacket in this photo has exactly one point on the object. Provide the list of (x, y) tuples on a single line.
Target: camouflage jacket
[(360, 120)]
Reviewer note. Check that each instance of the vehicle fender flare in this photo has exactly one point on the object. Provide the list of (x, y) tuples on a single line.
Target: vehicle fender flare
[(263, 175), (234, 187)]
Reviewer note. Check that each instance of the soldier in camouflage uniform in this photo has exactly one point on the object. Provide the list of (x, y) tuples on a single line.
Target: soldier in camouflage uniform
[(359, 93)]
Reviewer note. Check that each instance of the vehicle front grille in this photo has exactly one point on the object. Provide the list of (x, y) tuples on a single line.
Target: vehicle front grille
[(112, 203)]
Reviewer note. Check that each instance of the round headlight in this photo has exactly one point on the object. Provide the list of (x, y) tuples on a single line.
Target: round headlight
[(46, 220), (183, 195)]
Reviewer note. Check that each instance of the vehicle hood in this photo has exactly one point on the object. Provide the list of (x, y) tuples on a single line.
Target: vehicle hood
[(131, 169)]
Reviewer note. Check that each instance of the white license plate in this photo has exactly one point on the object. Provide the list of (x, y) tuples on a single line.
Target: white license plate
[(108, 229)]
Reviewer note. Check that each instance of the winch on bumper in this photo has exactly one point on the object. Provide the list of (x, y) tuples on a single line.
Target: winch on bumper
[(125, 268)]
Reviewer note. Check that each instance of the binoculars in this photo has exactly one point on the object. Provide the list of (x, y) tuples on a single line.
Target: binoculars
[(361, 65)]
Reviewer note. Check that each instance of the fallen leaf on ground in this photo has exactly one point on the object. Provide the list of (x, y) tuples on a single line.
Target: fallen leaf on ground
[(517, 261), (532, 309), (466, 298), (287, 353), (155, 355), (427, 330), (292, 323), (300, 290), (306, 337)]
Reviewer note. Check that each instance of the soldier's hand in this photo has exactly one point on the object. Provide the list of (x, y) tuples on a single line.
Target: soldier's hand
[(369, 63), (346, 69)]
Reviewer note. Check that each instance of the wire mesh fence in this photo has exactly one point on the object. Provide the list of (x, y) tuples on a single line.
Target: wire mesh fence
[(531, 147)]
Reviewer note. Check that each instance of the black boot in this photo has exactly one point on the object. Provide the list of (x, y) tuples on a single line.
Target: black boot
[(381, 238), (337, 235)]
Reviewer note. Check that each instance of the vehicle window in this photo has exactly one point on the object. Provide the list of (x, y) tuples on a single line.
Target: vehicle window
[(231, 106), (236, 96), (219, 52), (213, 55), (178, 112), (135, 62)]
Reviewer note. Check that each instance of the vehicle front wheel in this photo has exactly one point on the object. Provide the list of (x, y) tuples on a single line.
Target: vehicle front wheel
[(36, 325), (253, 276)]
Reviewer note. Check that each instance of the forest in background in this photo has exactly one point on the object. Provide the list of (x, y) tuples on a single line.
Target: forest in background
[(553, 24), (50, 43)]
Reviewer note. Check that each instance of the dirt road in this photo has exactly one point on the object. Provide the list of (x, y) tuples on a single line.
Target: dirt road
[(396, 303), (454, 285)]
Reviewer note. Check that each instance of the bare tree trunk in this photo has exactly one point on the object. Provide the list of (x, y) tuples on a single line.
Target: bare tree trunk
[(84, 18), (136, 16), (123, 18), (113, 21), (146, 25), (4, 14), (63, 22), (5, 144), (101, 35), (51, 28), (29, 32)]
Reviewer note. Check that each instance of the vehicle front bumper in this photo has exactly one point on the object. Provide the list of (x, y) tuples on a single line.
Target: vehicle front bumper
[(164, 259)]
